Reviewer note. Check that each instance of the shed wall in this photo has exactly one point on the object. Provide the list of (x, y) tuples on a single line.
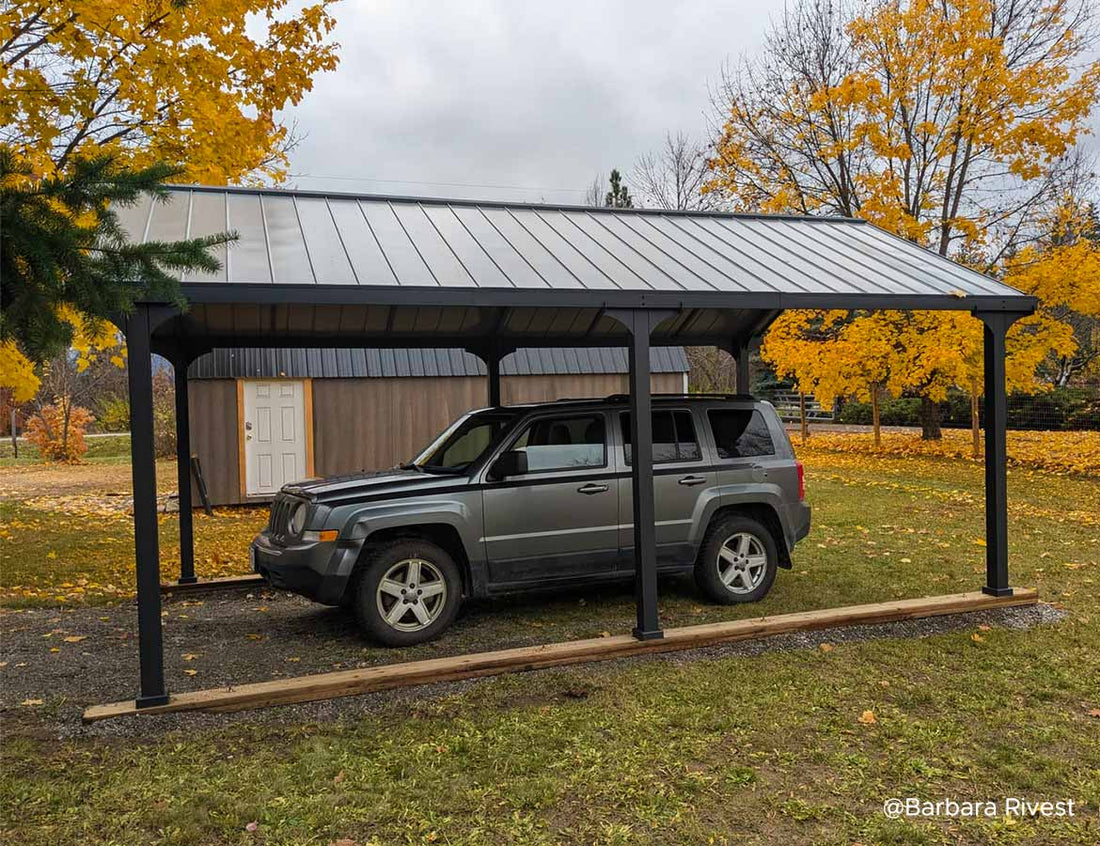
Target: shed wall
[(214, 438), (376, 423)]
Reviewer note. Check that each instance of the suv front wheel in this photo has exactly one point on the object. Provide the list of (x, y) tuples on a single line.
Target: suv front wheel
[(738, 560), (408, 593)]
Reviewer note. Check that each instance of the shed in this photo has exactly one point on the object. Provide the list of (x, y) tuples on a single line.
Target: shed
[(263, 417)]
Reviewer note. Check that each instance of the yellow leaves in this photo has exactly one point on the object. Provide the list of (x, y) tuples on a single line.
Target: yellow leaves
[(17, 372), (825, 647), (1055, 452), (75, 638), (198, 84), (190, 672), (32, 703), (867, 718)]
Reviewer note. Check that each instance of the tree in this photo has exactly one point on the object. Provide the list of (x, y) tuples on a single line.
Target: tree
[(594, 194), (66, 269), (673, 177), (948, 122), (196, 85), (1063, 270), (618, 197)]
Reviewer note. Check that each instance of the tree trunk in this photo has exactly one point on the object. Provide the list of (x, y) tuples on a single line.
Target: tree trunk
[(975, 423), (875, 416), (929, 420), (804, 424), (14, 436)]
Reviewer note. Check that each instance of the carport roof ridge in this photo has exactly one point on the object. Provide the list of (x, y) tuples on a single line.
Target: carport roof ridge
[(324, 247)]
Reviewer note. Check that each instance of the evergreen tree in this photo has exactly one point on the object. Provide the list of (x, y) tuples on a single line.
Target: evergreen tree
[(618, 197), (62, 249)]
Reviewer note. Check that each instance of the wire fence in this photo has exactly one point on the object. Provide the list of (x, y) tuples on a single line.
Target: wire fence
[(1060, 410)]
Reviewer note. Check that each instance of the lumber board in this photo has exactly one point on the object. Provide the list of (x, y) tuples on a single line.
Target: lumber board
[(252, 580), (522, 659)]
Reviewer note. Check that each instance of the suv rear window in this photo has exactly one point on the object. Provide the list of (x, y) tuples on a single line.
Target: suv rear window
[(740, 433), (673, 437)]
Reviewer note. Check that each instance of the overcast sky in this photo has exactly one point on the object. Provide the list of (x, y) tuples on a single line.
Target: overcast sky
[(512, 99)]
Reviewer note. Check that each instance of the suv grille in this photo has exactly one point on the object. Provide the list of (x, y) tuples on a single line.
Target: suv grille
[(280, 516)]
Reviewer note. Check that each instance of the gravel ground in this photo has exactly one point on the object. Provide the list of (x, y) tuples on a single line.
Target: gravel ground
[(72, 658)]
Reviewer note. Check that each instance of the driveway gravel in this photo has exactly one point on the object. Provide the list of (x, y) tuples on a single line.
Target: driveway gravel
[(58, 661)]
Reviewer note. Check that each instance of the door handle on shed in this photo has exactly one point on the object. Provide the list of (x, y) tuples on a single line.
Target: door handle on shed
[(591, 488), (688, 481)]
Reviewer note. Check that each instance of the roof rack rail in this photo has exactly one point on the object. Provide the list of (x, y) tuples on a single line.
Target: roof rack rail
[(678, 395), (626, 398)]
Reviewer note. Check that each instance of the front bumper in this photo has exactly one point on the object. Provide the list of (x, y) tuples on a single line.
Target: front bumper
[(318, 571)]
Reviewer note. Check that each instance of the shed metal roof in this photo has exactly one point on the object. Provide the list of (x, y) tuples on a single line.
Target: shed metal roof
[(373, 363), (323, 239)]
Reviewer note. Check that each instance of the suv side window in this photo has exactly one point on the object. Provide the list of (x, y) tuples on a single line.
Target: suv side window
[(740, 433), (564, 443), (673, 437)]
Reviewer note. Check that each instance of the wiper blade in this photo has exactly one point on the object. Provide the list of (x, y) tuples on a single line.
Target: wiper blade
[(410, 465)]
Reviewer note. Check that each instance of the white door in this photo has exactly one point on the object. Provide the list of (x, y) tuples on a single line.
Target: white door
[(274, 435)]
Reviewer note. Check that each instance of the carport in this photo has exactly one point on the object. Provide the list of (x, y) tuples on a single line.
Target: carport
[(317, 270)]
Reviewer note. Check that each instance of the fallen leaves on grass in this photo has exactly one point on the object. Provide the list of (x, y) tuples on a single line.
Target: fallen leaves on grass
[(1055, 452), (32, 703), (867, 718)]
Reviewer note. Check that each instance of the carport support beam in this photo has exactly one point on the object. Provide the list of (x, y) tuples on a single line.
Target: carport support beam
[(492, 364), (183, 474), (146, 550), (996, 324), (741, 360), (640, 323)]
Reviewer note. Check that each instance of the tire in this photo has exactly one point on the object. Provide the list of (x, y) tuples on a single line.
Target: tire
[(729, 580), (407, 565)]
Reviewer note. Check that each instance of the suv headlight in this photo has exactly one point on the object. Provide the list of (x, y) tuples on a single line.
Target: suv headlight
[(297, 520)]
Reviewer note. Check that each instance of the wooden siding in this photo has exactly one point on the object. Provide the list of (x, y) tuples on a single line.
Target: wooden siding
[(370, 424), (214, 438)]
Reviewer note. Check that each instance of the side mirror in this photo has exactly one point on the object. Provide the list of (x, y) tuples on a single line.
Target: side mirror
[(511, 463)]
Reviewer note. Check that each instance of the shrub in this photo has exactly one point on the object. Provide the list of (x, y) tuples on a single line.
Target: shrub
[(1062, 409), (58, 431), (164, 414), (114, 414)]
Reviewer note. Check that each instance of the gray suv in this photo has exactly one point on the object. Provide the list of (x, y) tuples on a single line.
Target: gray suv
[(535, 496)]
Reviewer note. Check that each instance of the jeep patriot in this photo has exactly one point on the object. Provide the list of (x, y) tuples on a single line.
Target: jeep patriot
[(533, 496)]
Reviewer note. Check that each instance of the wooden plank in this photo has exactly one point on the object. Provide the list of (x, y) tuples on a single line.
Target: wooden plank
[(307, 399), (252, 580), (386, 677)]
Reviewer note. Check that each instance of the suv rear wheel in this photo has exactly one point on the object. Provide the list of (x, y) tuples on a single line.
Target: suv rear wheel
[(409, 592), (738, 560)]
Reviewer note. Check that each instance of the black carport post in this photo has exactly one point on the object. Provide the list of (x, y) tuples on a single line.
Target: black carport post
[(492, 364), (741, 360), (640, 322), (138, 327), (996, 324), (183, 473)]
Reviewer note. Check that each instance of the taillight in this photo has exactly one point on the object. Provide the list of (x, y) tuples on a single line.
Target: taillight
[(801, 481)]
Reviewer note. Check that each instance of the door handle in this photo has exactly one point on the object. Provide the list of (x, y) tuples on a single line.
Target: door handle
[(688, 481), (591, 488)]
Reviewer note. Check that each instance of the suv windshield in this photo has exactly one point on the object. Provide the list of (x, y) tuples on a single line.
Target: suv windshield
[(465, 441)]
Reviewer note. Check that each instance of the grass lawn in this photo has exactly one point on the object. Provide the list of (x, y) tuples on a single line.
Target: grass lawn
[(767, 749), (102, 449)]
